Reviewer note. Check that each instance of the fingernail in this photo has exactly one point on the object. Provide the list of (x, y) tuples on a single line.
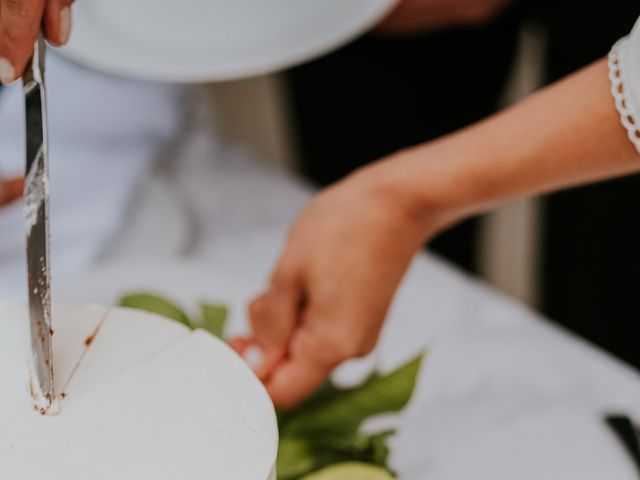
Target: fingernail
[(7, 72), (253, 355), (65, 25)]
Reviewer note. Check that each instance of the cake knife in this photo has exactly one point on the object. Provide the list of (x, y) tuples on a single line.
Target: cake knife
[(36, 199)]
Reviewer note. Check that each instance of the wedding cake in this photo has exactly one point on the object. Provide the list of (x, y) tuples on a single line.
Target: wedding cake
[(138, 397)]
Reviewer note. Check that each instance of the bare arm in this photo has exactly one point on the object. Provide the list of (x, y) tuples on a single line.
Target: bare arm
[(420, 16), (567, 134), (348, 251)]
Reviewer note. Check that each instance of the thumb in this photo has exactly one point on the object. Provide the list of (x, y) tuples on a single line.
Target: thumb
[(273, 316), (314, 351), (296, 379), (261, 359)]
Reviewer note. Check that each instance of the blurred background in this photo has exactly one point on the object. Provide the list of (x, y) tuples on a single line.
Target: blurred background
[(188, 190), (574, 255)]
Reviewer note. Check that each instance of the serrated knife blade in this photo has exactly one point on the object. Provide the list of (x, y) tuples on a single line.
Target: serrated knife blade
[(36, 201)]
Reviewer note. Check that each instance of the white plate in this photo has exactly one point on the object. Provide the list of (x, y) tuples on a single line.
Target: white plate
[(207, 40)]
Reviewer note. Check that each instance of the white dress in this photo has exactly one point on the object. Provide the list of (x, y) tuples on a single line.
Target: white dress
[(624, 72), (104, 133)]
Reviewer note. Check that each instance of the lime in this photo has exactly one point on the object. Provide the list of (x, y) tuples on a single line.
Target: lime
[(350, 471)]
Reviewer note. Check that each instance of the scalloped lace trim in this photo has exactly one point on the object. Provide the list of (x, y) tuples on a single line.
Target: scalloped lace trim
[(627, 117)]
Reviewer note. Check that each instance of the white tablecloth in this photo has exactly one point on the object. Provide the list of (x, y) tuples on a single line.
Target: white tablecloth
[(503, 394)]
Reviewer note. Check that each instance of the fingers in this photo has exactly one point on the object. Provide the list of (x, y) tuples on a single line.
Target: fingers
[(57, 21), (262, 360), (274, 314), (293, 369), (316, 349), (240, 344), (302, 341), (20, 22), (10, 190), (271, 359), (295, 380)]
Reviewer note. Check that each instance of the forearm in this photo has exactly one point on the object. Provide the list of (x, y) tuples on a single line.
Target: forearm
[(567, 134)]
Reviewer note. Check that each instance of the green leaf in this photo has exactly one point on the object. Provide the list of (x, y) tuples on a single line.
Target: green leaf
[(214, 318), (301, 455), (350, 471), (295, 458), (150, 302), (379, 448), (345, 410)]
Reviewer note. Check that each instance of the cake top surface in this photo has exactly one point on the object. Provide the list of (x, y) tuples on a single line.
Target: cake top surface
[(140, 397)]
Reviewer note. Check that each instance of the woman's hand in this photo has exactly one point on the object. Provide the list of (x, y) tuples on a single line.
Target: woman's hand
[(419, 16), (20, 22), (10, 190), (331, 288), (347, 252)]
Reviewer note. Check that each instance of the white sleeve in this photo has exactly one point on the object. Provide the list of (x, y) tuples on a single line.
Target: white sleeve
[(624, 73)]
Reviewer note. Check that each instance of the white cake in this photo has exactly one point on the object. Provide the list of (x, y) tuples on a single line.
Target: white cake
[(141, 397)]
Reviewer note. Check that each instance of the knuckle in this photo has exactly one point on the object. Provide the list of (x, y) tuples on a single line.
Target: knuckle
[(11, 34), (347, 350), (283, 276), (15, 21), (267, 328), (357, 347), (15, 7), (257, 312), (14, 11), (255, 306), (354, 344), (330, 349), (258, 328)]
